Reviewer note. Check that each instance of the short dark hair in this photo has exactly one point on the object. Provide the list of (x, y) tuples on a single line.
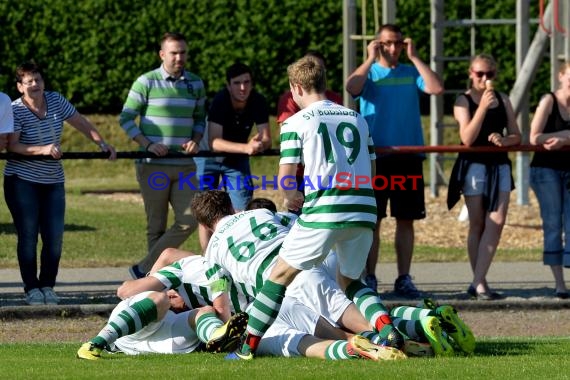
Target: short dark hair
[(210, 206), (28, 67), (389, 27), (236, 70), (257, 203), (172, 36)]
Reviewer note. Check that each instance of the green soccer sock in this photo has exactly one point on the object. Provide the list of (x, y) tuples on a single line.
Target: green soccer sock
[(410, 328), (369, 304), (410, 313), (407, 320), (339, 350), (130, 320), (206, 324), (262, 313), (372, 336)]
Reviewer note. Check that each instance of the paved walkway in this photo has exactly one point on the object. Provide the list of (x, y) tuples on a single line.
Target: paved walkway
[(92, 290)]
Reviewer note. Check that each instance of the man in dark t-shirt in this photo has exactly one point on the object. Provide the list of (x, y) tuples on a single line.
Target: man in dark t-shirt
[(232, 115)]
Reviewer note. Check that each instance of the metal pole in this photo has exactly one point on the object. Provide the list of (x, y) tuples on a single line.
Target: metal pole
[(530, 65), (436, 102), (522, 45), (388, 12), (348, 48)]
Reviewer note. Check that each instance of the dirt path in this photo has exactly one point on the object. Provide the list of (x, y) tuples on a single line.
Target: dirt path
[(483, 324)]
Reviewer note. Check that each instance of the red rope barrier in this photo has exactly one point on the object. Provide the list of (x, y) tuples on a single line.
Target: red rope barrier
[(461, 148), (275, 152)]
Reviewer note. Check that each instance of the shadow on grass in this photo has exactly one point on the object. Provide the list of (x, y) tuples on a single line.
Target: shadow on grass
[(9, 229), (508, 347)]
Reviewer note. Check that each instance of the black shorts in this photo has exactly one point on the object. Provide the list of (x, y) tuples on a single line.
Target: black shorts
[(399, 178)]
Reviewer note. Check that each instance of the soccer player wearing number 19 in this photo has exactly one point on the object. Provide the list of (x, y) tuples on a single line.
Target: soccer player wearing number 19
[(328, 139)]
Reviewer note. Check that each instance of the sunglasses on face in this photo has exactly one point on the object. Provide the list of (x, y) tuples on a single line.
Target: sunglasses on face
[(480, 74), (398, 43)]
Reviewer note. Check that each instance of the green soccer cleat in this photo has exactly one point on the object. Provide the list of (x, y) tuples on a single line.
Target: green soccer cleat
[(236, 355), (418, 349), (428, 303), (434, 335), (368, 350), (226, 338), (89, 351), (456, 328)]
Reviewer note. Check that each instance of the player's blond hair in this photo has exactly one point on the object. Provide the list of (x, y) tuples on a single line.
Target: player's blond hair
[(308, 72)]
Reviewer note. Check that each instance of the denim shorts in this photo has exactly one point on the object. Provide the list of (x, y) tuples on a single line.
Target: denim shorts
[(476, 179)]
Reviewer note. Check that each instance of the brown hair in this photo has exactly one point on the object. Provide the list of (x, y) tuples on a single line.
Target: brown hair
[(210, 206), (171, 36), (29, 67), (257, 203), (484, 57), (563, 66), (308, 72)]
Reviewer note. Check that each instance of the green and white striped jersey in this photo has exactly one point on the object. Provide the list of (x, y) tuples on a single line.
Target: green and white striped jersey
[(334, 144), (188, 277), (244, 253)]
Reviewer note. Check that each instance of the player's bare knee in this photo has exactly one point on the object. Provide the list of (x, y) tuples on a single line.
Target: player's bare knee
[(161, 301)]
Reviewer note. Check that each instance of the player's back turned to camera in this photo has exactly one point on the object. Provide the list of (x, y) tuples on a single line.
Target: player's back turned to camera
[(333, 143)]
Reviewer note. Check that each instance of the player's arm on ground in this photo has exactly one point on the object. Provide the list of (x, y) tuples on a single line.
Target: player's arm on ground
[(131, 287)]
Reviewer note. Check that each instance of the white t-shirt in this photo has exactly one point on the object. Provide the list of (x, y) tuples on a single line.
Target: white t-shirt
[(6, 115)]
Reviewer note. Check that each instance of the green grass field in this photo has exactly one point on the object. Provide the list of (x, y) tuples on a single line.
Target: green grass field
[(513, 358)]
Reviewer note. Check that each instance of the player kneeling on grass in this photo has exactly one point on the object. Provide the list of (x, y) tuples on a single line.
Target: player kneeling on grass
[(144, 322)]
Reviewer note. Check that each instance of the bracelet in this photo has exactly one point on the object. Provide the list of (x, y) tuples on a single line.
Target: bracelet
[(148, 146)]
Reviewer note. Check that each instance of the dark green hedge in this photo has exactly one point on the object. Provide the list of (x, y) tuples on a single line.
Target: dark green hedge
[(92, 50)]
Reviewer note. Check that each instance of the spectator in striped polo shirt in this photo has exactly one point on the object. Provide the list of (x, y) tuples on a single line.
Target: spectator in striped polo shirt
[(170, 104), (34, 189)]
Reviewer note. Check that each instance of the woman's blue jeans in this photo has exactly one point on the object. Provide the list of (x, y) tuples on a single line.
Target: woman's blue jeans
[(37, 209), (552, 189)]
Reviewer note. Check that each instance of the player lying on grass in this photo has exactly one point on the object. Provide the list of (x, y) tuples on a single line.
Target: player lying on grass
[(143, 321)]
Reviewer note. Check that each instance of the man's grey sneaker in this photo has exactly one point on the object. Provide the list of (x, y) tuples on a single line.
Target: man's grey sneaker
[(35, 297), (50, 297), (404, 287)]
